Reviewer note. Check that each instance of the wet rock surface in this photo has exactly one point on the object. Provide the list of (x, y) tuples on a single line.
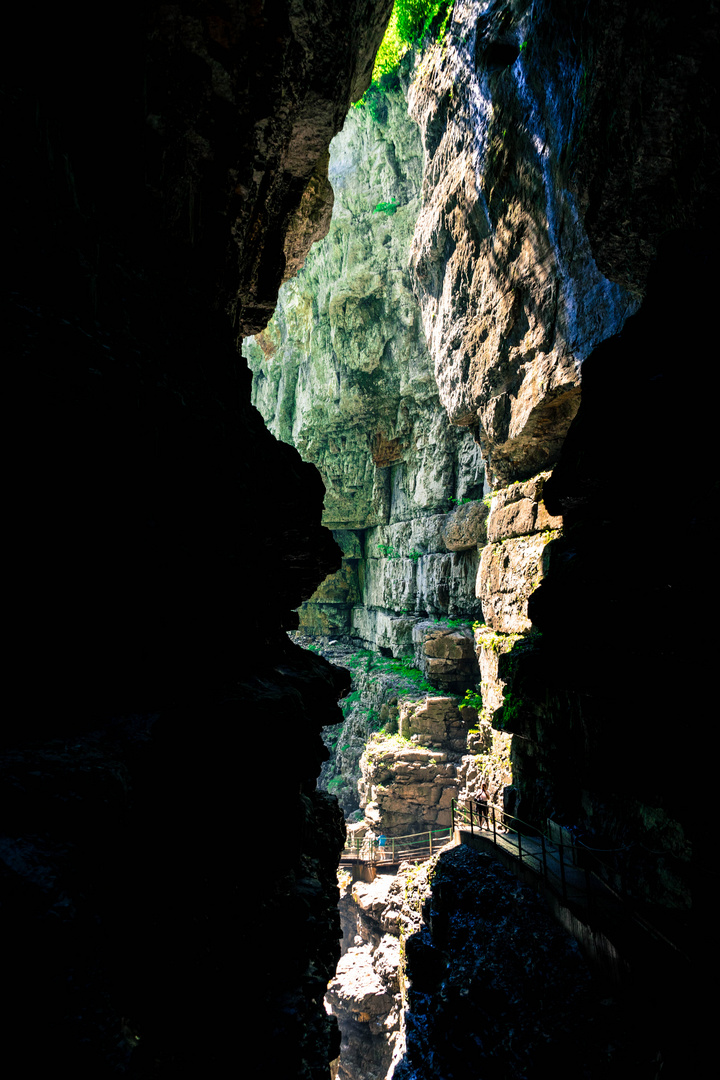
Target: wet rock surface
[(482, 980), (497, 989)]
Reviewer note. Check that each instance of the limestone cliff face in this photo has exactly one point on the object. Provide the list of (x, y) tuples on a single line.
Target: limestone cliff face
[(169, 171), (558, 145), (409, 780), (543, 129), (441, 753), (343, 373), (365, 994), (512, 300)]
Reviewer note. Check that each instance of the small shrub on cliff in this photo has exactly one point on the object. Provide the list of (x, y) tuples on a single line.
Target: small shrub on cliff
[(386, 208), (418, 19), (472, 700), (381, 743)]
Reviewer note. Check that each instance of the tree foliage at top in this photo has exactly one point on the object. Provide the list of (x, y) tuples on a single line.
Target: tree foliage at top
[(411, 22)]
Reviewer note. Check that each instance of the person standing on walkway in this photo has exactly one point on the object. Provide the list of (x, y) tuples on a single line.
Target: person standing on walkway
[(481, 802)]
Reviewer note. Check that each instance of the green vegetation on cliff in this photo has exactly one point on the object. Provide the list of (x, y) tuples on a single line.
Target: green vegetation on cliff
[(411, 23), (379, 685)]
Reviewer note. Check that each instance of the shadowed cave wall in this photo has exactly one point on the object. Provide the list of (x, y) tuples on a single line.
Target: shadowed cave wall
[(165, 169)]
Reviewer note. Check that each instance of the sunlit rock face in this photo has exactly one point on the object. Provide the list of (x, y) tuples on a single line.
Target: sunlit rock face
[(343, 373), (366, 994), (512, 300), (408, 786)]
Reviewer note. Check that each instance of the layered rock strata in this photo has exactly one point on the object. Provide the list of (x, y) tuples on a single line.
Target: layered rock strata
[(380, 686), (153, 169), (487, 761), (513, 564), (342, 373), (409, 781)]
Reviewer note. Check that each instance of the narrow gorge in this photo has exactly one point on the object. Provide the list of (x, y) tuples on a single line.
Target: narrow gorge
[(360, 349)]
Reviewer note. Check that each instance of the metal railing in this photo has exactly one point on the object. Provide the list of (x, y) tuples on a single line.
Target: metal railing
[(393, 849), (566, 864)]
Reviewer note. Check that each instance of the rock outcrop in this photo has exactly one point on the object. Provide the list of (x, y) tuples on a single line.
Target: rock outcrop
[(409, 780), (365, 994), (560, 145), (513, 564), (453, 962)]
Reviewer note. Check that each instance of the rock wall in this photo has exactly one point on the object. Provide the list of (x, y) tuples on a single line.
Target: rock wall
[(512, 300), (409, 780), (494, 984), (541, 128), (343, 373), (526, 113), (561, 147), (165, 168), (453, 963), (166, 172), (441, 753), (524, 218), (365, 994)]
